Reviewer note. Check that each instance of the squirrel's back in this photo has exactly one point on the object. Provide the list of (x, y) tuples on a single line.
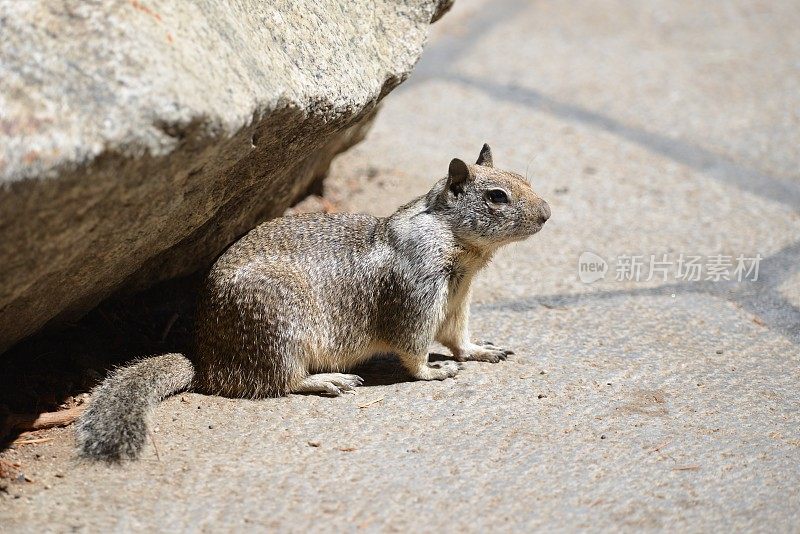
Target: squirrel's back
[(305, 236)]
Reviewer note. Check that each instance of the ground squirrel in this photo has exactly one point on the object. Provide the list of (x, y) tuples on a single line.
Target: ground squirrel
[(299, 300)]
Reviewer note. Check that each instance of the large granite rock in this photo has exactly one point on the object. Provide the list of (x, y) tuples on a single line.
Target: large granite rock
[(138, 138)]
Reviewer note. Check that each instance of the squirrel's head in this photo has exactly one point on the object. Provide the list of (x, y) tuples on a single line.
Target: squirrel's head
[(487, 207)]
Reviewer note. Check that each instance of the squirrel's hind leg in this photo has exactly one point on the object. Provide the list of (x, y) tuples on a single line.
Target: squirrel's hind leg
[(330, 383)]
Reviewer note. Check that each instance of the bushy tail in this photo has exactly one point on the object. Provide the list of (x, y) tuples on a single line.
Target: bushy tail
[(115, 424)]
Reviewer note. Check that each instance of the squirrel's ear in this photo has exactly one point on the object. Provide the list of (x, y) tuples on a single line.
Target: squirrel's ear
[(457, 176), (485, 157)]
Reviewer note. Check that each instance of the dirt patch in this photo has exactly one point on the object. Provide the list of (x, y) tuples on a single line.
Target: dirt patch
[(652, 402)]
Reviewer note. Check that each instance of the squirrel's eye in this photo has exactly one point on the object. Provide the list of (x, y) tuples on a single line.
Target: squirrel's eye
[(497, 196)]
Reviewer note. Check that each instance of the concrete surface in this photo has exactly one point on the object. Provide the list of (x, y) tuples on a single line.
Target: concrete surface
[(651, 128)]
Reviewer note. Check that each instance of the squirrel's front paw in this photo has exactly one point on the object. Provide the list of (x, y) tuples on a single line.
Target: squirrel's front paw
[(483, 351)]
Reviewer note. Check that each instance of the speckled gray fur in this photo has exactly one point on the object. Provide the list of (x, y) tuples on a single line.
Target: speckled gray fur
[(299, 300)]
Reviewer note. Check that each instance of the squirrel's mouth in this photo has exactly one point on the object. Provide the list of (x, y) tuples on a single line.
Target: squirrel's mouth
[(535, 228)]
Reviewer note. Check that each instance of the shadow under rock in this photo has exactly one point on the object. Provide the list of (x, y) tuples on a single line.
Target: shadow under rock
[(49, 371)]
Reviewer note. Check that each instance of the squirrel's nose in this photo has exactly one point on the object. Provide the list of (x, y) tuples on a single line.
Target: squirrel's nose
[(544, 212)]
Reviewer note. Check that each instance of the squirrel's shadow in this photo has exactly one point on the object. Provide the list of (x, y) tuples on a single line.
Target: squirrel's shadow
[(386, 369)]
